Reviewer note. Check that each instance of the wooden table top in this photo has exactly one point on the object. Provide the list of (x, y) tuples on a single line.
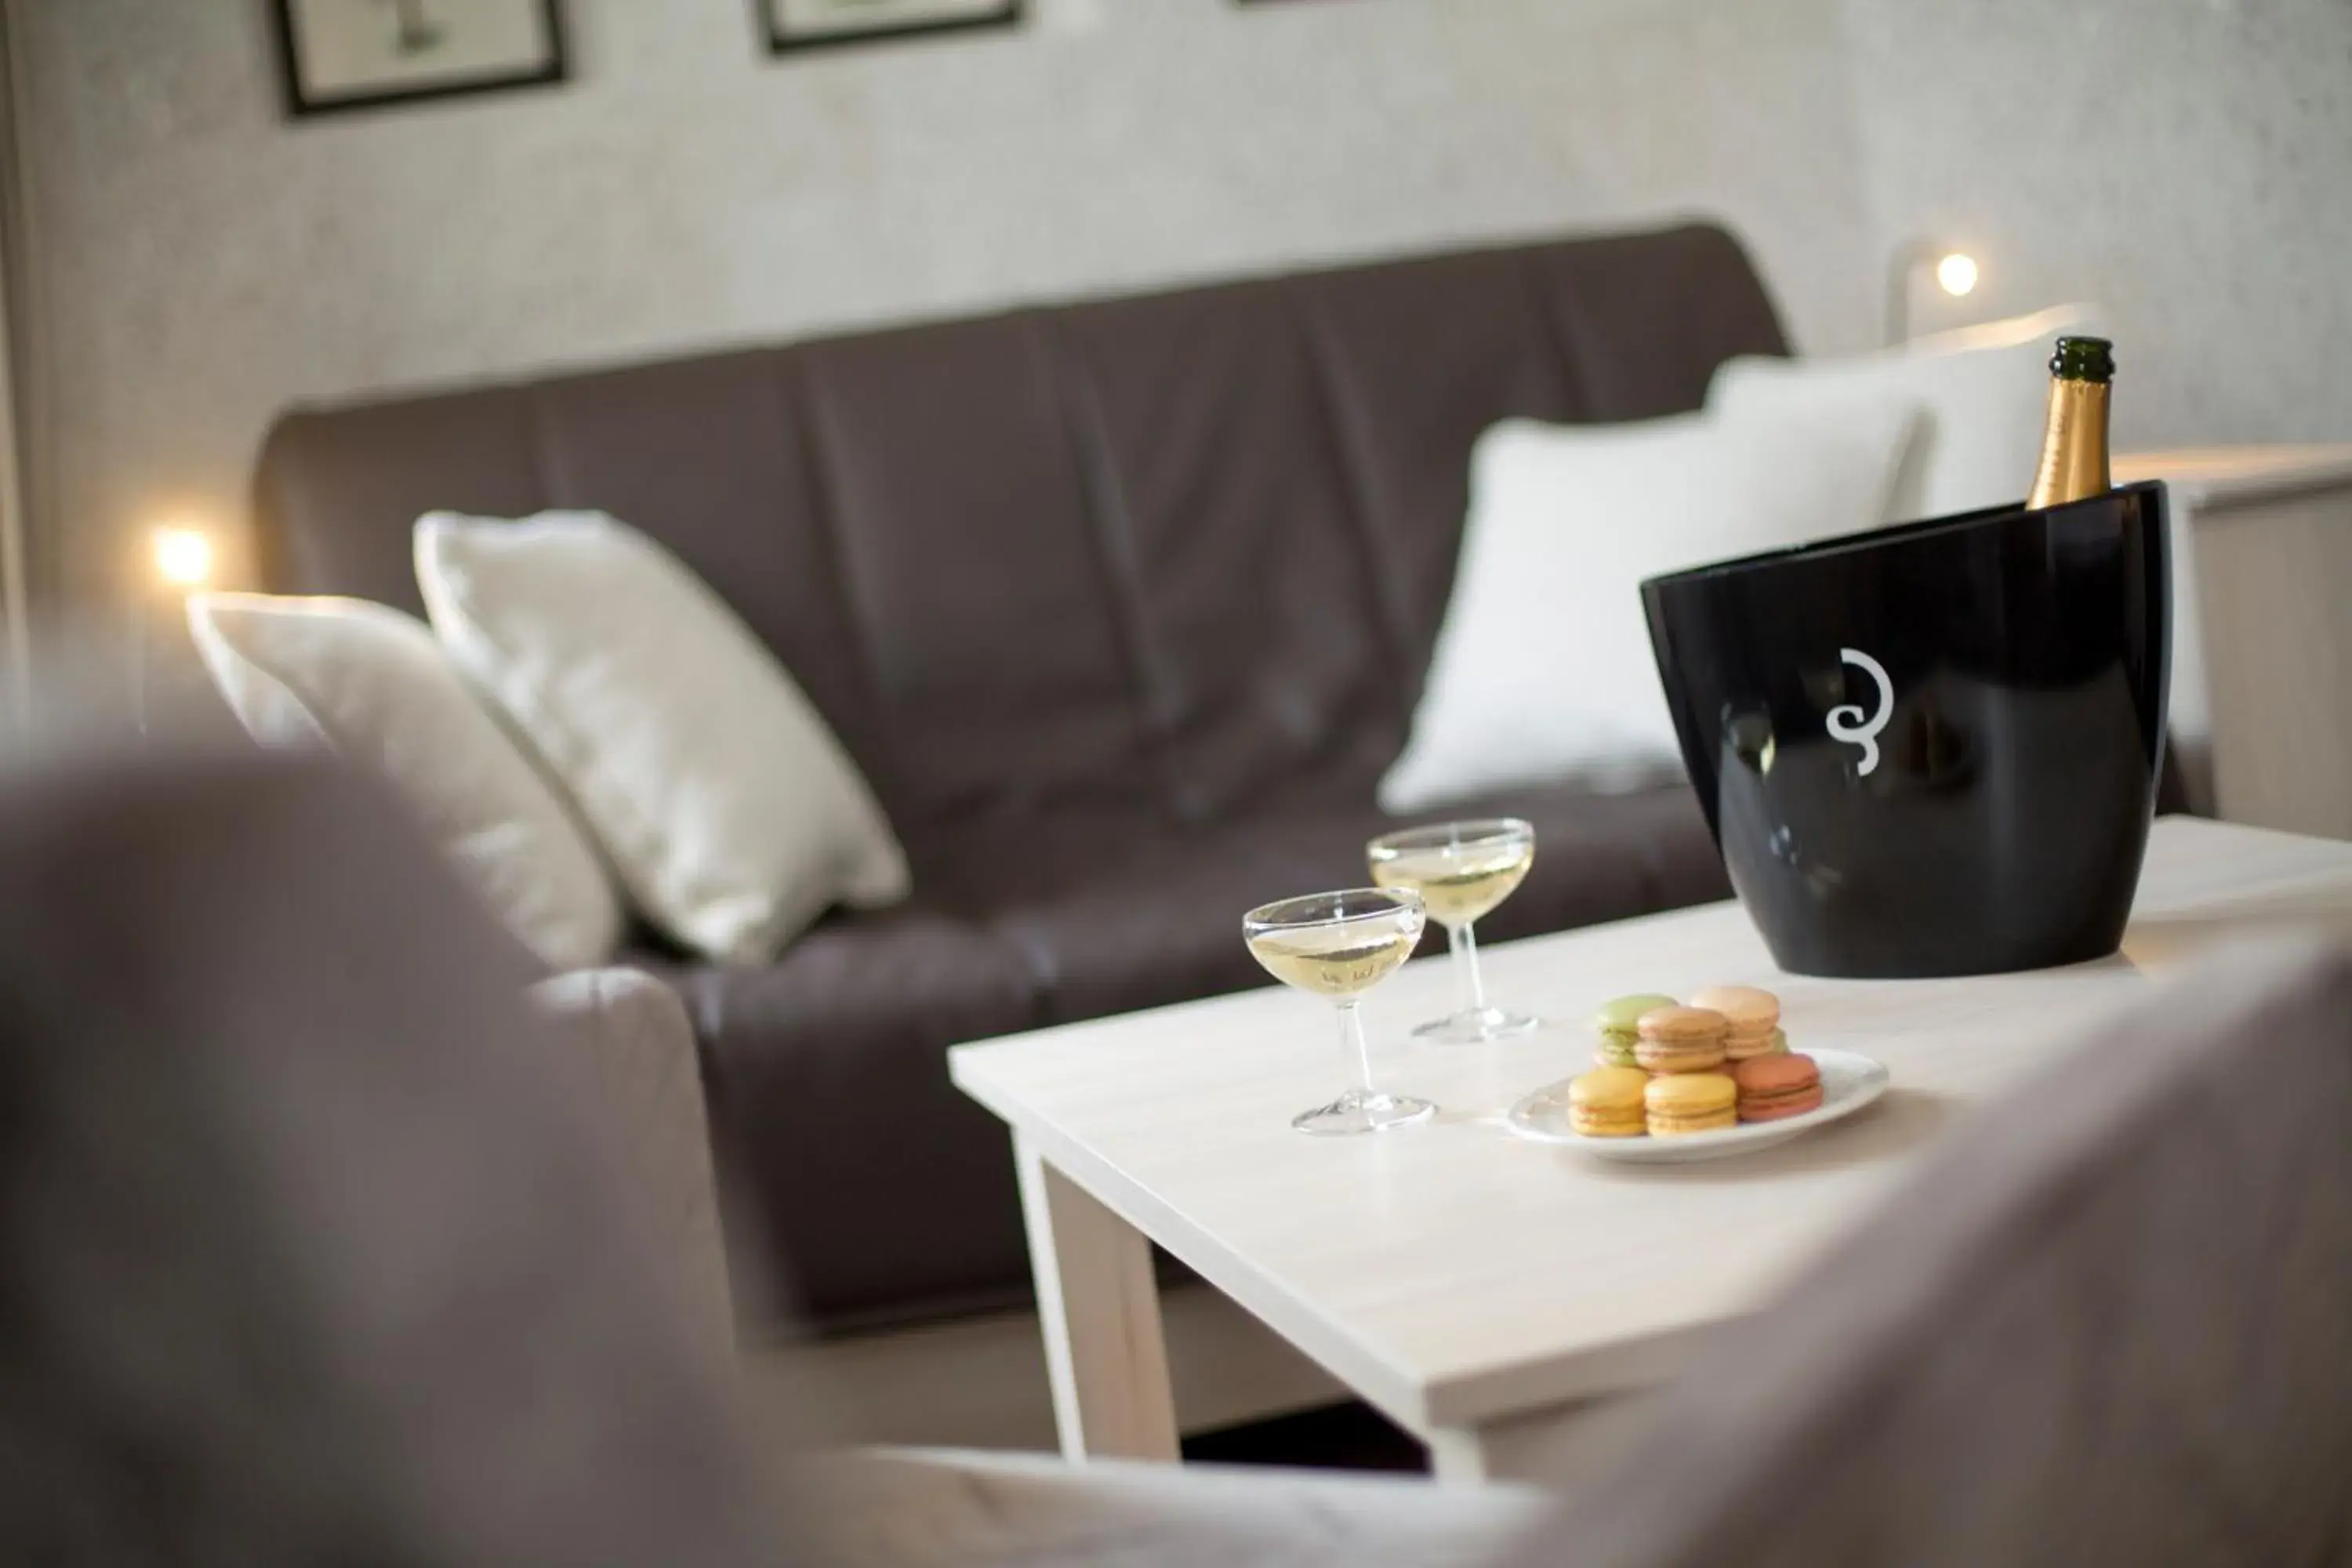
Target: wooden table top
[(1453, 1273)]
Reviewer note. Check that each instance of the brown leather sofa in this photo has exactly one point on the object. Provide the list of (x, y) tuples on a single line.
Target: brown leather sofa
[(1122, 606)]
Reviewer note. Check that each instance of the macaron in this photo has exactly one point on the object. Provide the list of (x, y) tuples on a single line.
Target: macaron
[(1607, 1104), (1738, 1050), (1678, 1104), (1785, 1084), (1680, 1039), (1753, 1017), (1617, 1026)]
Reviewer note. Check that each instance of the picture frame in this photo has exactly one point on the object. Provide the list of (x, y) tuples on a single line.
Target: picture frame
[(336, 55), (793, 26)]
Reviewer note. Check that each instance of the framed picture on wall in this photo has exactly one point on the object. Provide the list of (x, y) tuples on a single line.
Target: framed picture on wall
[(358, 54), (814, 23)]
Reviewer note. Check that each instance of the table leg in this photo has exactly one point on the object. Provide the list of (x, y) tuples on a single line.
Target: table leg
[(1099, 1308), (1562, 1448)]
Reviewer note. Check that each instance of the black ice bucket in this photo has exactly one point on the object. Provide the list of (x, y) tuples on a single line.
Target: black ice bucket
[(1931, 749)]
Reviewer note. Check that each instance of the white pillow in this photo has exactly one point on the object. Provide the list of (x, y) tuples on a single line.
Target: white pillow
[(1543, 668), (372, 685), (1982, 393), (731, 813)]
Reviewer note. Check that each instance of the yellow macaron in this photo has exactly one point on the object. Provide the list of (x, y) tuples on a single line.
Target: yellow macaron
[(1686, 1103), (1607, 1104)]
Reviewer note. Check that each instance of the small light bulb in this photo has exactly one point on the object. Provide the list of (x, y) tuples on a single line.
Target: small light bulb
[(1956, 273), (184, 556)]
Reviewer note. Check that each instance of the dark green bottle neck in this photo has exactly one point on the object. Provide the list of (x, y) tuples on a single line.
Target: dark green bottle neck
[(2083, 359)]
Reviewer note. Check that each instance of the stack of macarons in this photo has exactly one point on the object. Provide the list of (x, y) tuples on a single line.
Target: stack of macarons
[(1667, 1069)]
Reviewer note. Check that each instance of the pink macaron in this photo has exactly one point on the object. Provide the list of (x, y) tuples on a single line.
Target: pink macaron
[(1785, 1084)]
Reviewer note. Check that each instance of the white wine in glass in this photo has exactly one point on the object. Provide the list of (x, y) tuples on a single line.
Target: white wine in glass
[(1340, 945), (1462, 870)]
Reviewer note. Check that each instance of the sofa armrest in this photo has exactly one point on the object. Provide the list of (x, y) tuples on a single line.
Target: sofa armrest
[(916, 1509), (624, 1041)]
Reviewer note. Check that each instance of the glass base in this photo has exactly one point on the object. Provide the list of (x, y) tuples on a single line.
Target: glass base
[(1357, 1112), (1472, 1026)]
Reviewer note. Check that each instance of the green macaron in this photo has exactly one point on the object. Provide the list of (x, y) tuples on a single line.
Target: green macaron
[(1616, 1023), (1616, 1052)]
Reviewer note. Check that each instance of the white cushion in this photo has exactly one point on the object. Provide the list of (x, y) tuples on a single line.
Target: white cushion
[(1542, 669), (374, 685), (731, 813), (1982, 393)]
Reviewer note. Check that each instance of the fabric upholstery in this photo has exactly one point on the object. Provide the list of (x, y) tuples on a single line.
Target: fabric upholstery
[(1121, 609), (724, 803), (1982, 393), (300, 1260), (372, 685), (932, 1508), (1012, 559), (1543, 668), (830, 1103), (622, 1039), (2108, 1327)]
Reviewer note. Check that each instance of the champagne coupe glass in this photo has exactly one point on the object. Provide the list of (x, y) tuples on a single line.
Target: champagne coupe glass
[(1460, 869), (1340, 945)]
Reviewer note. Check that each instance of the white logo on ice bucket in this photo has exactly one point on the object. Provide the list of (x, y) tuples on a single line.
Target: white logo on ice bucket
[(1846, 723)]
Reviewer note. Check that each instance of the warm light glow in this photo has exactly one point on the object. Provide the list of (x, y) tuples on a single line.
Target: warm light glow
[(1956, 273), (184, 556)]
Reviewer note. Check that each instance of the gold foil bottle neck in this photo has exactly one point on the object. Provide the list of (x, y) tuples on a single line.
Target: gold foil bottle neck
[(2073, 445)]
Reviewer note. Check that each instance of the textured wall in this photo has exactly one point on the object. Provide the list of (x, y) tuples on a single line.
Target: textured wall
[(2188, 164), (206, 262)]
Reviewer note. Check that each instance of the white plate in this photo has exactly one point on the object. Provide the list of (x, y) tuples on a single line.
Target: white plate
[(1848, 1082)]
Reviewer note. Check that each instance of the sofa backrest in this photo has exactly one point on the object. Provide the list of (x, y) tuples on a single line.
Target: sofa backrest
[(1174, 551)]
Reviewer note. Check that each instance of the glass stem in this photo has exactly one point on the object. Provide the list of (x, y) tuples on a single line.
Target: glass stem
[(1466, 982), (1353, 1047)]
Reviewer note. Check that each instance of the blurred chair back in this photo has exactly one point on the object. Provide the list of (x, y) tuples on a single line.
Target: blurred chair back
[(2109, 1326), (300, 1260)]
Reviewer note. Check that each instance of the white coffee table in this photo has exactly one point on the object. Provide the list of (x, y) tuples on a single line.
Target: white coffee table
[(1490, 1294)]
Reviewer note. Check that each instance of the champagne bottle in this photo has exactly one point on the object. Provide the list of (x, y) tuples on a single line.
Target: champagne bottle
[(2074, 440)]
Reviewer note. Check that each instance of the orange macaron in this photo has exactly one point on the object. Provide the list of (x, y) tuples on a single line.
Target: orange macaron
[(1752, 1016), (1785, 1084), (1680, 1039)]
